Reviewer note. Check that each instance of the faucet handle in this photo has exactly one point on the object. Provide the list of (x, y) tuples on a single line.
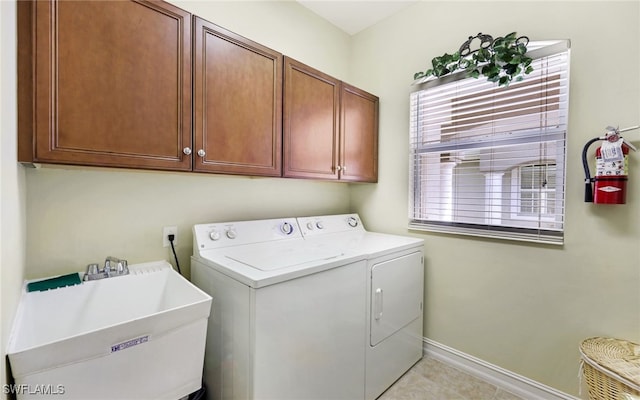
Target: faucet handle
[(92, 271), (122, 268)]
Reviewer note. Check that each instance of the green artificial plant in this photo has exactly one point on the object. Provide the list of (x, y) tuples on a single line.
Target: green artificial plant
[(502, 60)]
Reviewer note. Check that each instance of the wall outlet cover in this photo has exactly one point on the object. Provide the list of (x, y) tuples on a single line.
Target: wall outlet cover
[(169, 230)]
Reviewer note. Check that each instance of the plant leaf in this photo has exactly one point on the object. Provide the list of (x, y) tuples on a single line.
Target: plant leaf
[(510, 69), (521, 48)]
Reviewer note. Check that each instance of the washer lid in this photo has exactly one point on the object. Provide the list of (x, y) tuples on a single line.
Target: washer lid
[(270, 257)]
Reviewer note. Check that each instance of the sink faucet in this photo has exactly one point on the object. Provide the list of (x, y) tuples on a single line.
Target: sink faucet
[(112, 267)]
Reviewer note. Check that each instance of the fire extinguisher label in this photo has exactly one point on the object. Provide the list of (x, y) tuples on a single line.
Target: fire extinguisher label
[(610, 189), (612, 168), (612, 151)]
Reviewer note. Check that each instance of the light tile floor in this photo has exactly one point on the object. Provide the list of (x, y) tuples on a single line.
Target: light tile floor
[(431, 379)]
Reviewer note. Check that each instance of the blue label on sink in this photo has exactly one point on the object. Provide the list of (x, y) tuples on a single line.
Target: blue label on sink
[(129, 343)]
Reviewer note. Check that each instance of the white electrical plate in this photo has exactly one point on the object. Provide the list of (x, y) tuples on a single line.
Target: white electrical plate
[(169, 230)]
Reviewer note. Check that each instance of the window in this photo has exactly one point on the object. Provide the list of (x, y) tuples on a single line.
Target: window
[(488, 160), (534, 191)]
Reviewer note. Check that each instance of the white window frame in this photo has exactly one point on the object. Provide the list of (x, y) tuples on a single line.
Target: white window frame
[(445, 216), (516, 195)]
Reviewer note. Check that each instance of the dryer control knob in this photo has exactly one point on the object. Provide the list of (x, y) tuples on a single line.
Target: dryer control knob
[(320, 225), (352, 221), (231, 234), (214, 235), (310, 226), (286, 228)]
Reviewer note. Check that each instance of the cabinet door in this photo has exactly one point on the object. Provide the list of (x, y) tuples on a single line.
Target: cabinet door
[(311, 126), (107, 83), (238, 103), (359, 129)]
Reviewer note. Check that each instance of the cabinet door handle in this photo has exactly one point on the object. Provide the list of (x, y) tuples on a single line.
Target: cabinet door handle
[(201, 153), (338, 168), (344, 168), (186, 150)]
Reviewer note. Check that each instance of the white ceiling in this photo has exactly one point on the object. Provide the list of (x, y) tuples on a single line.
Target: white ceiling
[(352, 16)]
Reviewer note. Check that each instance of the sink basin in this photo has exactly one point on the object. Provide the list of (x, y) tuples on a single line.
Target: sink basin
[(138, 336)]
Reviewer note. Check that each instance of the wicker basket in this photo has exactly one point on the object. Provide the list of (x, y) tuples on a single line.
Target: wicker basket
[(611, 368)]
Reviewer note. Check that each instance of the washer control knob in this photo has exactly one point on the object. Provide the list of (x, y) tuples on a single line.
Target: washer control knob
[(310, 226), (320, 225), (286, 228), (352, 221), (231, 233), (214, 235)]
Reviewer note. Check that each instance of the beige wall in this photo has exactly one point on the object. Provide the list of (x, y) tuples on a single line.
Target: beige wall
[(523, 307), (12, 185), (78, 215)]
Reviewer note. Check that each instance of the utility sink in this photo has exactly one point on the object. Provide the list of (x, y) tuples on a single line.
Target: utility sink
[(137, 336)]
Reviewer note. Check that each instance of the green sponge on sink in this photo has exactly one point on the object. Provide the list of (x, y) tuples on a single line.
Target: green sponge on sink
[(54, 283)]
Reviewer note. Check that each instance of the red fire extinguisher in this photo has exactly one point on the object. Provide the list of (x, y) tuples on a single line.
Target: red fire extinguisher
[(609, 186)]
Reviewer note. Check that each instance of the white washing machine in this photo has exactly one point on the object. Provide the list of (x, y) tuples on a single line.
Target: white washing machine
[(394, 291), (287, 314)]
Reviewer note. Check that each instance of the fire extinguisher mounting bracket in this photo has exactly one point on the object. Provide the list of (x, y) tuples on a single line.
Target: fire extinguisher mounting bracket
[(613, 135)]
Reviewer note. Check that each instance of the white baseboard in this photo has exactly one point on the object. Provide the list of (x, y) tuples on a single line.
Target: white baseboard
[(507, 380)]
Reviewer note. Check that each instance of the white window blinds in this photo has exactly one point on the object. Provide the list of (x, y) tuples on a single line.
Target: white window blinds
[(488, 160)]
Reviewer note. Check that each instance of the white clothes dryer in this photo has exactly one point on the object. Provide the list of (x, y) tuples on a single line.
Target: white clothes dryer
[(286, 319), (394, 291)]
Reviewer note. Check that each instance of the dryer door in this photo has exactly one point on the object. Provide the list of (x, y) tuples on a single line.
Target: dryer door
[(396, 295)]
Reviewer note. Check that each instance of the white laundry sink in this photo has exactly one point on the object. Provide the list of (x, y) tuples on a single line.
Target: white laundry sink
[(138, 336)]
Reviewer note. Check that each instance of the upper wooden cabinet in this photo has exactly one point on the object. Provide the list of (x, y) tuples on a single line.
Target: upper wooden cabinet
[(238, 103), (330, 128), (311, 122), (118, 84), (104, 83), (359, 139)]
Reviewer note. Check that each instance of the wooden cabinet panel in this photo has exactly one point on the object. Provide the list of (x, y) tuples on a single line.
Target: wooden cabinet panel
[(311, 125), (109, 83), (359, 128), (238, 103)]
